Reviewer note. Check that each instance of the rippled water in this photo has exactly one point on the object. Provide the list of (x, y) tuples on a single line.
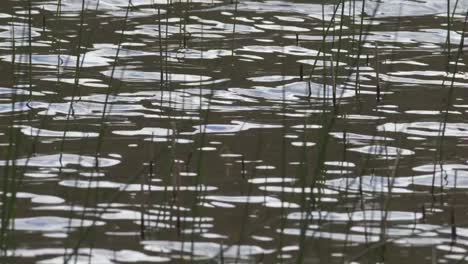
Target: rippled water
[(212, 131)]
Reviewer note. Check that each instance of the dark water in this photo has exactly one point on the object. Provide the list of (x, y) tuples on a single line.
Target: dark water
[(157, 132)]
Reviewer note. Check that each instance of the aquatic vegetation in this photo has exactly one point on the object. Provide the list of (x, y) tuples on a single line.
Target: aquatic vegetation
[(233, 131)]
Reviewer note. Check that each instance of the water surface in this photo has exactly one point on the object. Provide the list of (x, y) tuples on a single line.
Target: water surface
[(214, 131)]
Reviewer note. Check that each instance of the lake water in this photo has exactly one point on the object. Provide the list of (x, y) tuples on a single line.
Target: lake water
[(212, 131)]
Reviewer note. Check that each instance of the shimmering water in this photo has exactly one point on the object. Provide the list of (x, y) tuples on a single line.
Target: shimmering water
[(212, 131)]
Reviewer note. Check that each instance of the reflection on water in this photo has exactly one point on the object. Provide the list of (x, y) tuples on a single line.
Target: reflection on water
[(216, 131)]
